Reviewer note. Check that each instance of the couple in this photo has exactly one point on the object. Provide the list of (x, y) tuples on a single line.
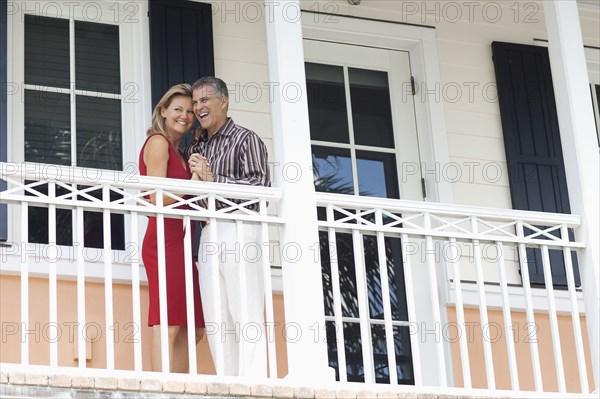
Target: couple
[(222, 152)]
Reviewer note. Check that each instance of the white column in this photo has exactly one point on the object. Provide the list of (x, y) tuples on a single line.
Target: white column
[(302, 285), (580, 148)]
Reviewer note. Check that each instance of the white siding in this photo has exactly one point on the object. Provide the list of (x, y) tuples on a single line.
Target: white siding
[(477, 164), (467, 71), (241, 61), (468, 80)]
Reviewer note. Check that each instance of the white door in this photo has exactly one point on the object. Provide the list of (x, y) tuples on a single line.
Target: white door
[(364, 143)]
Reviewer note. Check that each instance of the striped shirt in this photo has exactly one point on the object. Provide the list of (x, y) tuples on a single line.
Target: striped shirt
[(235, 155)]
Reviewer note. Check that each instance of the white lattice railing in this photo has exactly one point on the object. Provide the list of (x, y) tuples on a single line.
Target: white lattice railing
[(442, 252), (81, 190), (432, 239)]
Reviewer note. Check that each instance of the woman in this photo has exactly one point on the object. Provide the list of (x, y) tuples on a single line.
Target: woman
[(160, 156)]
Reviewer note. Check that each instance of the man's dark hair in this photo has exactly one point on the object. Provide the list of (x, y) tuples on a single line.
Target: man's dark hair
[(218, 85)]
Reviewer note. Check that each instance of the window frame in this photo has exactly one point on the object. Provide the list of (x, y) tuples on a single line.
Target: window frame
[(421, 44), (374, 64), (134, 56)]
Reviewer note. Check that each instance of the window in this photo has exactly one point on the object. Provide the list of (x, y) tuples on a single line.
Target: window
[(72, 112)]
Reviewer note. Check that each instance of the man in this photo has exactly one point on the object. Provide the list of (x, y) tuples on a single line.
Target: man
[(228, 153)]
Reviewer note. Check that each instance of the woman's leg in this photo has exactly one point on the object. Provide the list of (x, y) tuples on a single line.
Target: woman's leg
[(174, 332), (199, 335), (180, 358)]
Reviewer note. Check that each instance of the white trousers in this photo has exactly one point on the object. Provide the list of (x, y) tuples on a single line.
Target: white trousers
[(232, 270)]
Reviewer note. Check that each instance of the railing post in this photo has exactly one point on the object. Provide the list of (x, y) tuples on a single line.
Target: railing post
[(579, 145), (299, 240)]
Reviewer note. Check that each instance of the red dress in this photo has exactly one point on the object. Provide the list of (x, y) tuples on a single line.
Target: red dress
[(174, 256)]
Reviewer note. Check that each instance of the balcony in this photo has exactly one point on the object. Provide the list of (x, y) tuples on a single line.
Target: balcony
[(418, 297)]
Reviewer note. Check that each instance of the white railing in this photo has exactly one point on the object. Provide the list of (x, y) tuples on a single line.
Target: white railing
[(392, 269), (81, 190), (357, 241)]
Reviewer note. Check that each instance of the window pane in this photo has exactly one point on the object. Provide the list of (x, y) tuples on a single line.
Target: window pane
[(99, 142), (377, 174), (37, 220), (97, 57), (327, 103), (93, 224), (47, 128), (332, 169), (38, 226), (371, 108), (46, 51)]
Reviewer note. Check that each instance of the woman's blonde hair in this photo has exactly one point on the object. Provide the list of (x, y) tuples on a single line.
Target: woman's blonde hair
[(158, 122)]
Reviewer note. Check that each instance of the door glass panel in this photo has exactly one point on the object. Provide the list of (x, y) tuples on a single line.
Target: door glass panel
[(377, 175), (355, 369), (403, 351), (403, 355), (395, 271), (371, 108), (332, 169), (327, 103), (326, 273)]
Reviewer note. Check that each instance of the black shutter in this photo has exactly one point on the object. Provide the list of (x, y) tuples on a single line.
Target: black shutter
[(181, 51), (536, 168), (181, 45), (3, 114)]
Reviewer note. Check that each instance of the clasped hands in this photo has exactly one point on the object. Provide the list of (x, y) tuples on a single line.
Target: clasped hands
[(200, 168)]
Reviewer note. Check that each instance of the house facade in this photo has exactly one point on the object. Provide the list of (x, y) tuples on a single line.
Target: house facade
[(432, 225)]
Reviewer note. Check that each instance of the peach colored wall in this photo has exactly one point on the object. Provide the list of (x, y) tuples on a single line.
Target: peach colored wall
[(497, 336), (39, 348), (10, 348)]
